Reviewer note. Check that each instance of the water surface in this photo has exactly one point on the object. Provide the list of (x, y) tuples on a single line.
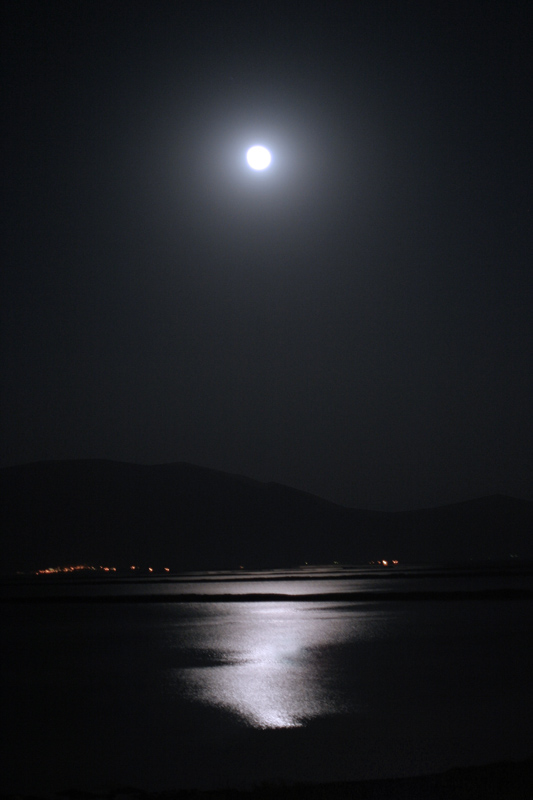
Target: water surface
[(169, 695)]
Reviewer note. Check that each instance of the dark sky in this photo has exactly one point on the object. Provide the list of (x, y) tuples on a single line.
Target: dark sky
[(356, 321)]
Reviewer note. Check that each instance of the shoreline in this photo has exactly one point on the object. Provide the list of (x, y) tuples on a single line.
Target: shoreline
[(353, 597), (506, 780)]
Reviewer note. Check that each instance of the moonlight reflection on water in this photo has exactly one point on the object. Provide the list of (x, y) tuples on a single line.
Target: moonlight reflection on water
[(267, 662), (204, 694)]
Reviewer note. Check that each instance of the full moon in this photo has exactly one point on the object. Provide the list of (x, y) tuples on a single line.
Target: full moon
[(258, 157)]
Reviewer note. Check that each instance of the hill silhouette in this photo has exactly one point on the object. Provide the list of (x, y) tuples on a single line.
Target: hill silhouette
[(193, 518)]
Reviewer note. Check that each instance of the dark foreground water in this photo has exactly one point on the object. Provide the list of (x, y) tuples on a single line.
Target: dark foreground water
[(230, 693)]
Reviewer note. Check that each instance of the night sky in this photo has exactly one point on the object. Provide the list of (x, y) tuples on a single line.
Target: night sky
[(356, 321)]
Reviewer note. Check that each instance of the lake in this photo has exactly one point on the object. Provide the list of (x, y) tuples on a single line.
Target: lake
[(218, 686)]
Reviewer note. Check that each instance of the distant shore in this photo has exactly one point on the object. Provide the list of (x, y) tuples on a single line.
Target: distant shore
[(348, 597)]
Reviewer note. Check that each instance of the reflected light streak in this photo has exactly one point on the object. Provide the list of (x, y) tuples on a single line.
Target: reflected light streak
[(271, 666)]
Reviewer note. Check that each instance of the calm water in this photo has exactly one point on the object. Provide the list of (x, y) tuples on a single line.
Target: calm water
[(168, 695)]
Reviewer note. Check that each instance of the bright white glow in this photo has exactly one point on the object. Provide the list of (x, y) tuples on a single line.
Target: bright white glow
[(258, 157), (268, 670)]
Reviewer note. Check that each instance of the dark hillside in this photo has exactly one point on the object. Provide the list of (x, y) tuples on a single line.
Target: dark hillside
[(188, 517), (495, 527)]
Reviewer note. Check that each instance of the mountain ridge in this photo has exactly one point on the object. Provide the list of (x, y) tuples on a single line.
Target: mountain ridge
[(191, 517)]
